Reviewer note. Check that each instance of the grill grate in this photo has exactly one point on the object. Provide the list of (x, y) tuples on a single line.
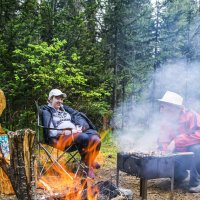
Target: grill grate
[(149, 154)]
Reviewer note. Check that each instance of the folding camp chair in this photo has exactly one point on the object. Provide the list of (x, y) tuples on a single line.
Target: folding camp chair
[(47, 149)]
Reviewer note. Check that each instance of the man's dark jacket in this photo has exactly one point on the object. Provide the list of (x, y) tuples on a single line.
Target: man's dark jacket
[(78, 118)]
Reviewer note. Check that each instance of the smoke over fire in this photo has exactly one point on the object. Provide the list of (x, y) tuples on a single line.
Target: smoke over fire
[(141, 120)]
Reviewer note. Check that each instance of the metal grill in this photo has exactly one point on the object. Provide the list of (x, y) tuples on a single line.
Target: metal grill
[(147, 166)]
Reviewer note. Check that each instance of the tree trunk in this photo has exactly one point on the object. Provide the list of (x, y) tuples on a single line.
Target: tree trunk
[(20, 170)]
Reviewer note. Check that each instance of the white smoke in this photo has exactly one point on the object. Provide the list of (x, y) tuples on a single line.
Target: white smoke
[(182, 78), (141, 124)]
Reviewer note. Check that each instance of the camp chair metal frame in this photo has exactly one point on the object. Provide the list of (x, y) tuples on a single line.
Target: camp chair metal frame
[(50, 157)]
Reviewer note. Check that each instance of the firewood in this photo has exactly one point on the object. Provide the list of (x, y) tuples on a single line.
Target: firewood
[(20, 169)]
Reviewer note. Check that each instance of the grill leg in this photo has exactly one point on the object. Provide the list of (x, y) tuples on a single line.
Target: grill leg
[(117, 177), (143, 188), (172, 188), (172, 184)]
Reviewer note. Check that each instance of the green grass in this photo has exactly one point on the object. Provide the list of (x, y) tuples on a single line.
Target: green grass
[(109, 149)]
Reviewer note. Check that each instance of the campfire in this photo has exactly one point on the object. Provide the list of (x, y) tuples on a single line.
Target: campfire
[(56, 184), (89, 190), (56, 187), (60, 186)]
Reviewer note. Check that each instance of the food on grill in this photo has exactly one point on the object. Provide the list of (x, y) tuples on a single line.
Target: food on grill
[(148, 154)]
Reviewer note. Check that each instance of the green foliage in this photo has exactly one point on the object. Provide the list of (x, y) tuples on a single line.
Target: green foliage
[(130, 46), (99, 52), (175, 30), (42, 66)]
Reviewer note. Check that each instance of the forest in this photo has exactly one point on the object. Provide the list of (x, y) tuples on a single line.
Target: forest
[(114, 59), (101, 53)]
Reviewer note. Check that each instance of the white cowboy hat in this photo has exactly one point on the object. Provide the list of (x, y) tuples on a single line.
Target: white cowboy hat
[(172, 98)]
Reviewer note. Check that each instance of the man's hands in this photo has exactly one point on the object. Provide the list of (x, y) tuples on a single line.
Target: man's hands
[(78, 129), (171, 146)]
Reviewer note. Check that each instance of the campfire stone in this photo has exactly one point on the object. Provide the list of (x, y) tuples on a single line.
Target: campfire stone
[(126, 192), (108, 189)]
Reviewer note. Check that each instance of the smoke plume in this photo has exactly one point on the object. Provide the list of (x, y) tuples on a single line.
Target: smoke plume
[(139, 122)]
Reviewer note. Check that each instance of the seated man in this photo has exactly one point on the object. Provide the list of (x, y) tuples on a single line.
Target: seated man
[(181, 133), (85, 136)]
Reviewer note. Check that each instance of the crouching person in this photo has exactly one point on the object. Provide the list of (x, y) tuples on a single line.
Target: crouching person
[(180, 132), (85, 136)]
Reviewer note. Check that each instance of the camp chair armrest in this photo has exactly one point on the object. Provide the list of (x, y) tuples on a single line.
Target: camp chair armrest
[(63, 129)]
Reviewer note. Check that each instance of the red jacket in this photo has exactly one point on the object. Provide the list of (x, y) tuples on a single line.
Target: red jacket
[(185, 133)]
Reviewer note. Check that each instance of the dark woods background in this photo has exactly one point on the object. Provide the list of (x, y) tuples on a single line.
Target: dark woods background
[(100, 52)]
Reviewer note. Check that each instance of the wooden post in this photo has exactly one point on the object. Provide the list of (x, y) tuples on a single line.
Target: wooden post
[(21, 166)]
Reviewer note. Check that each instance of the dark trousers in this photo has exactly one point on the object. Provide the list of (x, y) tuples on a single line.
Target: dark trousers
[(88, 146), (182, 164), (87, 143)]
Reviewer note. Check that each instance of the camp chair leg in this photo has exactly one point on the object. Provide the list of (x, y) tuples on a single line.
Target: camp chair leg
[(79, 162), (55, 162), (77, 171), (72, 157), (49, 158)]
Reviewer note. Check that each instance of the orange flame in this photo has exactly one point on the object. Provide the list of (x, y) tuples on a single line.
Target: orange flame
[(72, 189), (77, 187)]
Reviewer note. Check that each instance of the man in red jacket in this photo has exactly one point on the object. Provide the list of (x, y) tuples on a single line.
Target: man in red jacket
[(180, 133)]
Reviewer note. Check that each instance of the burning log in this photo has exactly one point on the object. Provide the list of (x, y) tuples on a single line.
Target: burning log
[(20, 169), (94, 191)]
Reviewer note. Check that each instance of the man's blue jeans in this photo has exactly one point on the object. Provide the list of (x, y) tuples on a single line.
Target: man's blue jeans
[(182, 164)]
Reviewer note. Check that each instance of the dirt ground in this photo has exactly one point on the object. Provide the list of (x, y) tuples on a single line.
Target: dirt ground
[(158, 189)]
